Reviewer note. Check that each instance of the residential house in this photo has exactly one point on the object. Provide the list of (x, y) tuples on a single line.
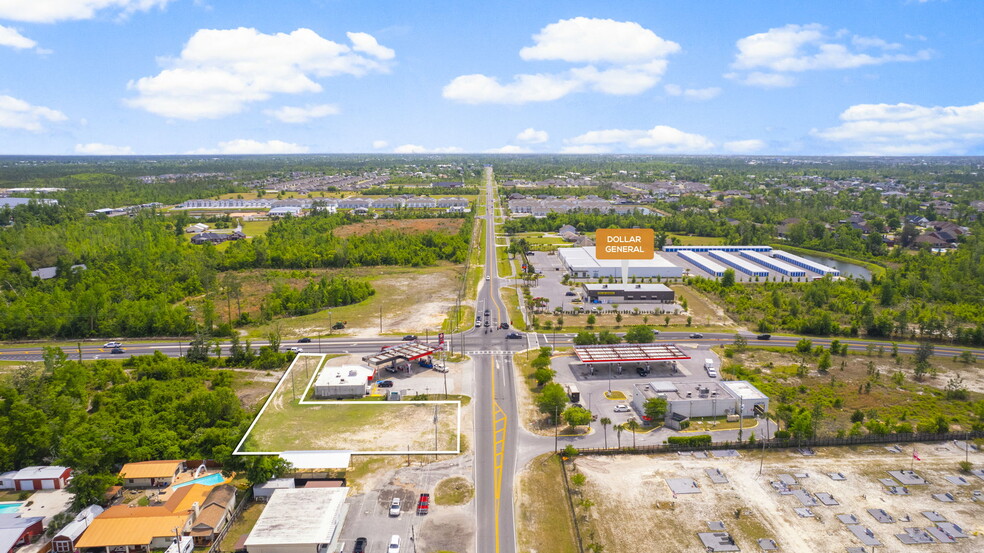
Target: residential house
[(452, 202), (36, 478), (216, 237), (354, 202), (65, 540), (135, 529), (917, 220), (151, 474), (16, 531), (420, 202), (386, 203), (215, 513)]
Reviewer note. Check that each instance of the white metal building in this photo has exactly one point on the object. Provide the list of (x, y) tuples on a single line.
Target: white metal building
[(347, 381), (300, 520), (581, 262), (703, 399)]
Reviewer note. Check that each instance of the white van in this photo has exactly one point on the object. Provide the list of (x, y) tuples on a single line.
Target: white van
[(709, 367), (394, 544)]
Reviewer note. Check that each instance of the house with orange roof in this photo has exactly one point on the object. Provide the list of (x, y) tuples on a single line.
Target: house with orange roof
[(151, 474), (134, 529), (214, 515)]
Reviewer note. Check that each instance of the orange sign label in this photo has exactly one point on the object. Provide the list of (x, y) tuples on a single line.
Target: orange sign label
[(624, 243)]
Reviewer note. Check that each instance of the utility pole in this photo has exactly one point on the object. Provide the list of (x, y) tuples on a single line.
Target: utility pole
[(80, 352), (380, 319), (766, 437), (741, 413), (436, 447)]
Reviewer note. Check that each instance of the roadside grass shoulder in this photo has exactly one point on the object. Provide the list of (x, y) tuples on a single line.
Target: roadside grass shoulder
[(543, 518)]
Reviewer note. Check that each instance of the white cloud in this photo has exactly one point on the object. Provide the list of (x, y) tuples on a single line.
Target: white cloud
[(744, 146), (903, 129), (219, 72), (510, 149), (379, 144), (582, 39), (623, 58), (253, 147), (296, 114), (367, 44), (797, 48), (418, 149), (99, 149), (11, 37), (18, 114), (50, 11), (479, 89), (533, 136), (659, 139), (696, 94)]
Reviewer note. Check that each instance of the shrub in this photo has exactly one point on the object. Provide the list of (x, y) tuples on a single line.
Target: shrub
[(698, 440)]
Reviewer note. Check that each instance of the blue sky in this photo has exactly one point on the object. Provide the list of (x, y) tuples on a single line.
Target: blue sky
[(870, 77)]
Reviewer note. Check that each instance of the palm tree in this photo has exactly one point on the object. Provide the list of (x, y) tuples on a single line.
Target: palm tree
[(632, 425), (605, 421), (619, 428)]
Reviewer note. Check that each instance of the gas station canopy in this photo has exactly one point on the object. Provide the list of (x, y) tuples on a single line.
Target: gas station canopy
[(618, 353)]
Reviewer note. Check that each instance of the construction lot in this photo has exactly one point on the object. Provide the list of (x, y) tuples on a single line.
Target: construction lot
[(831, 499)]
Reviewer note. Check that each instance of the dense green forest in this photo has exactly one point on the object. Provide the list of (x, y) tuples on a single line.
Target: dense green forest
[(140, 270)]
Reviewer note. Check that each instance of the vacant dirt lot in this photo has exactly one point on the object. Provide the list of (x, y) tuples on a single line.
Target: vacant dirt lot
[(449, 226), (631, 499)]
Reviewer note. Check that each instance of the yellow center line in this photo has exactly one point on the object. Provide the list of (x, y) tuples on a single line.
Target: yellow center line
[(499, 419)]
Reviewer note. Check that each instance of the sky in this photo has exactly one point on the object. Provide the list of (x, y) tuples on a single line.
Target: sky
[(717, 77)]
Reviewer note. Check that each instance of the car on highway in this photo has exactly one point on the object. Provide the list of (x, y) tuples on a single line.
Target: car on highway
[(385, 383), (360, 545), (488, 277), (621, 408), (117, 350), (394, 546), (478, 323), (488, 312), (295, 350), (655, 332), (112, 345), (763, 337), (514, 336), (409, 338), (504, 326), (696, 335), (395, 507), (304, 341), (487, 323)]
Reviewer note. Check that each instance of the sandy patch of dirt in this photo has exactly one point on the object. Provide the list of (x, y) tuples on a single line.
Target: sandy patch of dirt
[(636, 484), (424, 302)]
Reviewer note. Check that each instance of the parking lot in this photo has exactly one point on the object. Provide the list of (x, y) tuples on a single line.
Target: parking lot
[(551, 288)]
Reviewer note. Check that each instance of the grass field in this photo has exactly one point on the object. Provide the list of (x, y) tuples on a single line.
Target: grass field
[(285, 424), (252, 229), (543, 519), (688, 240)]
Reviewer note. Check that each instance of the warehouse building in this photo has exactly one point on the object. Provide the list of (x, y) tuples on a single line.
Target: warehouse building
[(619, 293), (347, 381), (687, 400), (739, 263), (807, 264), (706, 249), (776, 265), (702, 263), (582, 263), (300, 520)]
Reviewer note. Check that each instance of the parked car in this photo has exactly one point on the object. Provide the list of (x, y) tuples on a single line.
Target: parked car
[(295, 350), (621, 408), (118, 350), (112, 345), (570, 293), (642, 371), (360, 545), (385, 383), (395, 507), (514, 336), (409, 338), (304, 341), (763, 337), (394, 546), (696, 335)]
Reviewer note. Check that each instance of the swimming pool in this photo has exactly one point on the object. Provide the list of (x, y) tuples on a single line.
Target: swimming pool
[(210, 480), (10, 507)]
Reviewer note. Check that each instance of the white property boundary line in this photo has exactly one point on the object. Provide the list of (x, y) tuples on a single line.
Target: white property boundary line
[(322, 357)]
